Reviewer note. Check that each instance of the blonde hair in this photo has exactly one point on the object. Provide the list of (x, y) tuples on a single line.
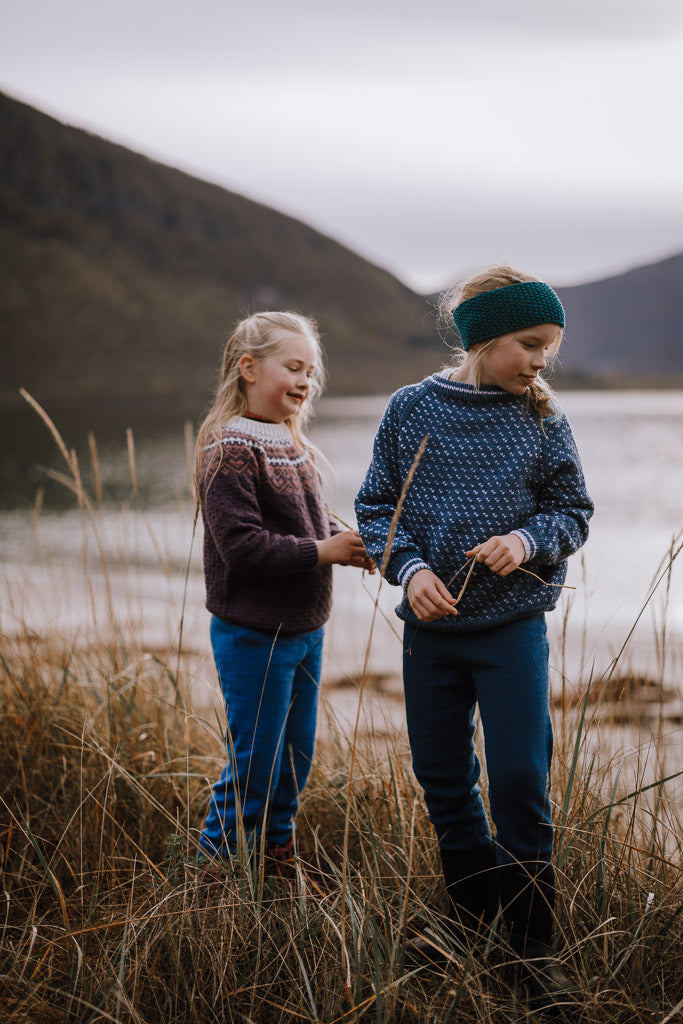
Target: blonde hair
[(259, 336), (541, 396)]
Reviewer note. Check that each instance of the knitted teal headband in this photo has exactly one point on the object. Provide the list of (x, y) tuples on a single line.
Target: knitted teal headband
[(502, 310)]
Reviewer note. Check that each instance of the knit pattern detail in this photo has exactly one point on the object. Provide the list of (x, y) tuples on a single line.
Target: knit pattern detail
[(262, 513), (490, 467), (502, 310)]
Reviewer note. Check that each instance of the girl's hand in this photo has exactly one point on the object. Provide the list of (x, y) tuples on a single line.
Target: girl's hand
[(502, 554), (428, 597), (345, 549)]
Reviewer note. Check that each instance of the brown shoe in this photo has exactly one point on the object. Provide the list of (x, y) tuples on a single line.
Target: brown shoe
[(212, 876), (548, 985), (279, 862)]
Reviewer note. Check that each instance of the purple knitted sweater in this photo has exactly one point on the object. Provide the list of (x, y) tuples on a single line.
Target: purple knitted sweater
[(262, 512)]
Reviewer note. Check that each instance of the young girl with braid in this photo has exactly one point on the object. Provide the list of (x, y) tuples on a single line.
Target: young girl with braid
[(269, 548), (500, 483)]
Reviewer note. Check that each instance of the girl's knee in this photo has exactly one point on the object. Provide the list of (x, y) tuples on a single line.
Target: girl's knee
[(522, 795)]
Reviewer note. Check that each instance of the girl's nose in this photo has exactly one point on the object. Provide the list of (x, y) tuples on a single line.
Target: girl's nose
[(539, 358)]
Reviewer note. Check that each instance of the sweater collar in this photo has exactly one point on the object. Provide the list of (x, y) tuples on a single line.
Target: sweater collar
[(447, 388), (260, 429)]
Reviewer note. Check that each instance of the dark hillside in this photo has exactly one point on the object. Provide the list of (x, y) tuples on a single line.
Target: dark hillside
[(120, 276), (628, 328)]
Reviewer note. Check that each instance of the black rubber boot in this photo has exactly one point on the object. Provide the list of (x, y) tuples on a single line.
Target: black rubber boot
[(472, 887), (471, 884), (527, 896)]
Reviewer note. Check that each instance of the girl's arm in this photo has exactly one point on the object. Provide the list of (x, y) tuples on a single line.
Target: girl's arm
[(376, 504), (233, 516), (560, 525)]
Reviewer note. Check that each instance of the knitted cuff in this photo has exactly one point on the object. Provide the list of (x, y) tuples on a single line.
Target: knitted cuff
[(528, 542), (407, 571), (308, 553)]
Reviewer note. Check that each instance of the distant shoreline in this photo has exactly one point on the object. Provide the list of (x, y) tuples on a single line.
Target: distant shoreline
[(182, 407)]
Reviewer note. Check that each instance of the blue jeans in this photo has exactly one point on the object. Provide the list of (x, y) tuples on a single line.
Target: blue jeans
[(505, 671), (270, 685)]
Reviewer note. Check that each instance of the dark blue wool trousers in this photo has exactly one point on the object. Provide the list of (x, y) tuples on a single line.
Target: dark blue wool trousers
[(505, 671)]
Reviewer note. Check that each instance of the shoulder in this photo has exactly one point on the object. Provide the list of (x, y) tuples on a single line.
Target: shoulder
[(403, 400), (557, 436), (232, 448), (556, 426)]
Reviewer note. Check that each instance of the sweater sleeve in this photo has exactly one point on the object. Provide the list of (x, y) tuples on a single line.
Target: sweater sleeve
[(233, 516), (560, 525), (376, 504)]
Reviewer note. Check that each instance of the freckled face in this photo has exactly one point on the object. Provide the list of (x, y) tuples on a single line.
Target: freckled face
[(514, 362), (277, 386)]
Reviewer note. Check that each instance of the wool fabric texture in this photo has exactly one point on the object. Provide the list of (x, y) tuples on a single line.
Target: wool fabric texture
[(502, 310), (491, 467), (262, 513)]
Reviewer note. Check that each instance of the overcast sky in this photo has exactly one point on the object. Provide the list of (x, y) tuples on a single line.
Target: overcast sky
[(431, 136)]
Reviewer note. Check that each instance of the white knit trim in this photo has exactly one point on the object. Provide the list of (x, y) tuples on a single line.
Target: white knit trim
[(442, 377), (261, 435), (528, 542), (407, 572), (260, 429)]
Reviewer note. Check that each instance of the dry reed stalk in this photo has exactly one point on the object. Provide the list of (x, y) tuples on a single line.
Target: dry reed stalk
[(399, 508), (473, 562), (37, 507), (188, 433), (385, 561), (676, 548), (86, 502), (49, 424), (560, 586), (519, 568), (130, 446), (75, 485), (183, 606), (95, 463), (338, 518)]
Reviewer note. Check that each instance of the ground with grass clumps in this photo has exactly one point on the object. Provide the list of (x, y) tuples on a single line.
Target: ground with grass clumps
[(106, 917)]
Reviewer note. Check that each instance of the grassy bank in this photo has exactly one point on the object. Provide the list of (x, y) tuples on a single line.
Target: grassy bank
[(106, 918)]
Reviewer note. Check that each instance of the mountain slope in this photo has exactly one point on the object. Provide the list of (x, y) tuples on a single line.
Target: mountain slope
[(119, 277), (628, 327)]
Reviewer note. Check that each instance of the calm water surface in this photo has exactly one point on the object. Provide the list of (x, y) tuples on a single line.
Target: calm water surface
[(632, 449)]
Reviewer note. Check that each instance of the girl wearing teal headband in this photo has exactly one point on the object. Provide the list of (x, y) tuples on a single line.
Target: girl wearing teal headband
[(498, 488), (490, 311)]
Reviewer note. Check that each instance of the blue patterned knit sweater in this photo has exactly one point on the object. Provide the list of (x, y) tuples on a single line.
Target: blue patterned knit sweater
[(491, 466)]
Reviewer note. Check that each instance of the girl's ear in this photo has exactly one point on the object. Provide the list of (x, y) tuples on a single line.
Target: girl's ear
[(246, 366)]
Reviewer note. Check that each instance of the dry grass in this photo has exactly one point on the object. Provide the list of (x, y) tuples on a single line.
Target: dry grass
[(106, 917)]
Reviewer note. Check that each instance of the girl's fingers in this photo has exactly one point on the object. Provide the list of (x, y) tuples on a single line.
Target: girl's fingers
[(433, 606)]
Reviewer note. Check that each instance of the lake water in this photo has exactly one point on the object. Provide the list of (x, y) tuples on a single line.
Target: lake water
[(632, 449)]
